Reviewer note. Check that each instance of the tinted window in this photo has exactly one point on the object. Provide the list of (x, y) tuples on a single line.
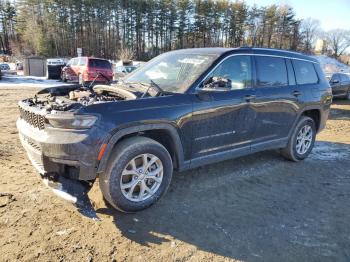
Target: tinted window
[(98, 63), (5, 67), (305, 72), (237, 69), (271, 71)]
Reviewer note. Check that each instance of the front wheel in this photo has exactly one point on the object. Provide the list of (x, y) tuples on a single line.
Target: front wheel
[(138, 174), (301, 141)]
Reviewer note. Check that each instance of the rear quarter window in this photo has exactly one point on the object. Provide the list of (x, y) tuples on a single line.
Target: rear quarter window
[(271, 71), (305, 72), (98, 63)]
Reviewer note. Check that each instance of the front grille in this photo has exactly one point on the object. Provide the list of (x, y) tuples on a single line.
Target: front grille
[(31, 118), (34, 153), (30, 142)]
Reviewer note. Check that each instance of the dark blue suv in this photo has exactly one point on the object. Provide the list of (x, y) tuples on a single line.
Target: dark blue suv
[(181, 110)]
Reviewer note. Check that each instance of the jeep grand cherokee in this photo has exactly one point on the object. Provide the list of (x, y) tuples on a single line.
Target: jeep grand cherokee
[(181, 110)]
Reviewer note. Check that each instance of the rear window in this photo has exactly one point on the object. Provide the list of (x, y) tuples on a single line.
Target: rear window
[(271, 71), (305, 72), (5, 67), (98, 63)]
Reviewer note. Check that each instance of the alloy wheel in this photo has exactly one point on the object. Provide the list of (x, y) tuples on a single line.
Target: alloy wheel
[(142, 177), (304, 139)]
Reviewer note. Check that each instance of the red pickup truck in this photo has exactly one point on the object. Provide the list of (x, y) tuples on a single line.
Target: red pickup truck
[(87, 69)]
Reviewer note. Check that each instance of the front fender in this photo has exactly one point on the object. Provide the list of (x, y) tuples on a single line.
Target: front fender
[(118, 135)]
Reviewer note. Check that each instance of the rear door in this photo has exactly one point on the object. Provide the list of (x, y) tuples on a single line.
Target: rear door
[(222, 120), (276, 102)]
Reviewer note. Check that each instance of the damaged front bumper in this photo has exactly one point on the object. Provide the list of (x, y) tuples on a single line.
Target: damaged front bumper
[(62, 157)]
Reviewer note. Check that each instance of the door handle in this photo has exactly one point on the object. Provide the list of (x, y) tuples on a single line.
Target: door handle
[(296, 93), (248, 98)]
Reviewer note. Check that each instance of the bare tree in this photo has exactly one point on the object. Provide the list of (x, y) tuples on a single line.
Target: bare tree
[(309, 30), (126, 54), (338, 41)]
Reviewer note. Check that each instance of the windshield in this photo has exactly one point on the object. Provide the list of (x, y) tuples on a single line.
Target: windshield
[(172, 72)]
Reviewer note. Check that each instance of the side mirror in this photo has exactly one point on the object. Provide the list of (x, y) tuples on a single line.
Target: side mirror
[(336, 81), (217, 83)]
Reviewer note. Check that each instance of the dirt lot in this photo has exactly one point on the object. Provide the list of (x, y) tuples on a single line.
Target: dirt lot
[(255, 208)]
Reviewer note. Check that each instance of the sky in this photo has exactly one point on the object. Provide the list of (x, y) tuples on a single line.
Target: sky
[(332, 14)]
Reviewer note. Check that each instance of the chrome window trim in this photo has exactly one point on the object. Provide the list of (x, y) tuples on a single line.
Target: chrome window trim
[(247, 54)]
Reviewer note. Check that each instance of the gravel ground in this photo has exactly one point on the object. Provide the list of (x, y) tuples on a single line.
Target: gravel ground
[(254, 208)]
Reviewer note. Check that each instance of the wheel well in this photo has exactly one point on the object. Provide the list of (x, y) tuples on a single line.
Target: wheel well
[(161, 136), (315, 115)]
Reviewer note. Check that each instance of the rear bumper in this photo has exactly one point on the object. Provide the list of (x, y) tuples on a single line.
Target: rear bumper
[(70, 153)]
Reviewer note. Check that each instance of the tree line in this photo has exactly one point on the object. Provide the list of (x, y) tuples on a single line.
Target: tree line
[(145, 28)]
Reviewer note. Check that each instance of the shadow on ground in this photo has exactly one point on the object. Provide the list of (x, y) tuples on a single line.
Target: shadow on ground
[(255, 208)]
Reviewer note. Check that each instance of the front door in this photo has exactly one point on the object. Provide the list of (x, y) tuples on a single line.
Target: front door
[(335, 82), (222, 119)]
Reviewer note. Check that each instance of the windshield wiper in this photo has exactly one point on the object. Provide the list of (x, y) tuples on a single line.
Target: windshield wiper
[(152, 85)]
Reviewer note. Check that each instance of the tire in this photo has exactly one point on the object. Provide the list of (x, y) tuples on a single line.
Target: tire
[(117, 170), (291, 152)]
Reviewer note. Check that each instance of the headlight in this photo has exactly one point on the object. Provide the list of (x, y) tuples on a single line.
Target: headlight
[(71, 121)]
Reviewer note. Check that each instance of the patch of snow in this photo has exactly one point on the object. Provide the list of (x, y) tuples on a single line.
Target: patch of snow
[(331, 65), (28, 81)]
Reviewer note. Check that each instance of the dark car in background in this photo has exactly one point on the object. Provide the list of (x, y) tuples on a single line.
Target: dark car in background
[(54, 67), (183, 109), (340, 84), (87, 69)]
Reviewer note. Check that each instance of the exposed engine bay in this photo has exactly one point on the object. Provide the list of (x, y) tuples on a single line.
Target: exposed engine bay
[(71, 98)]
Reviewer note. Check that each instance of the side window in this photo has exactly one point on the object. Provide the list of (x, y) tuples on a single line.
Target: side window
[(291, 76), (271, 71), (74, 62), (305, 72), (82, 61), (237, 69)]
